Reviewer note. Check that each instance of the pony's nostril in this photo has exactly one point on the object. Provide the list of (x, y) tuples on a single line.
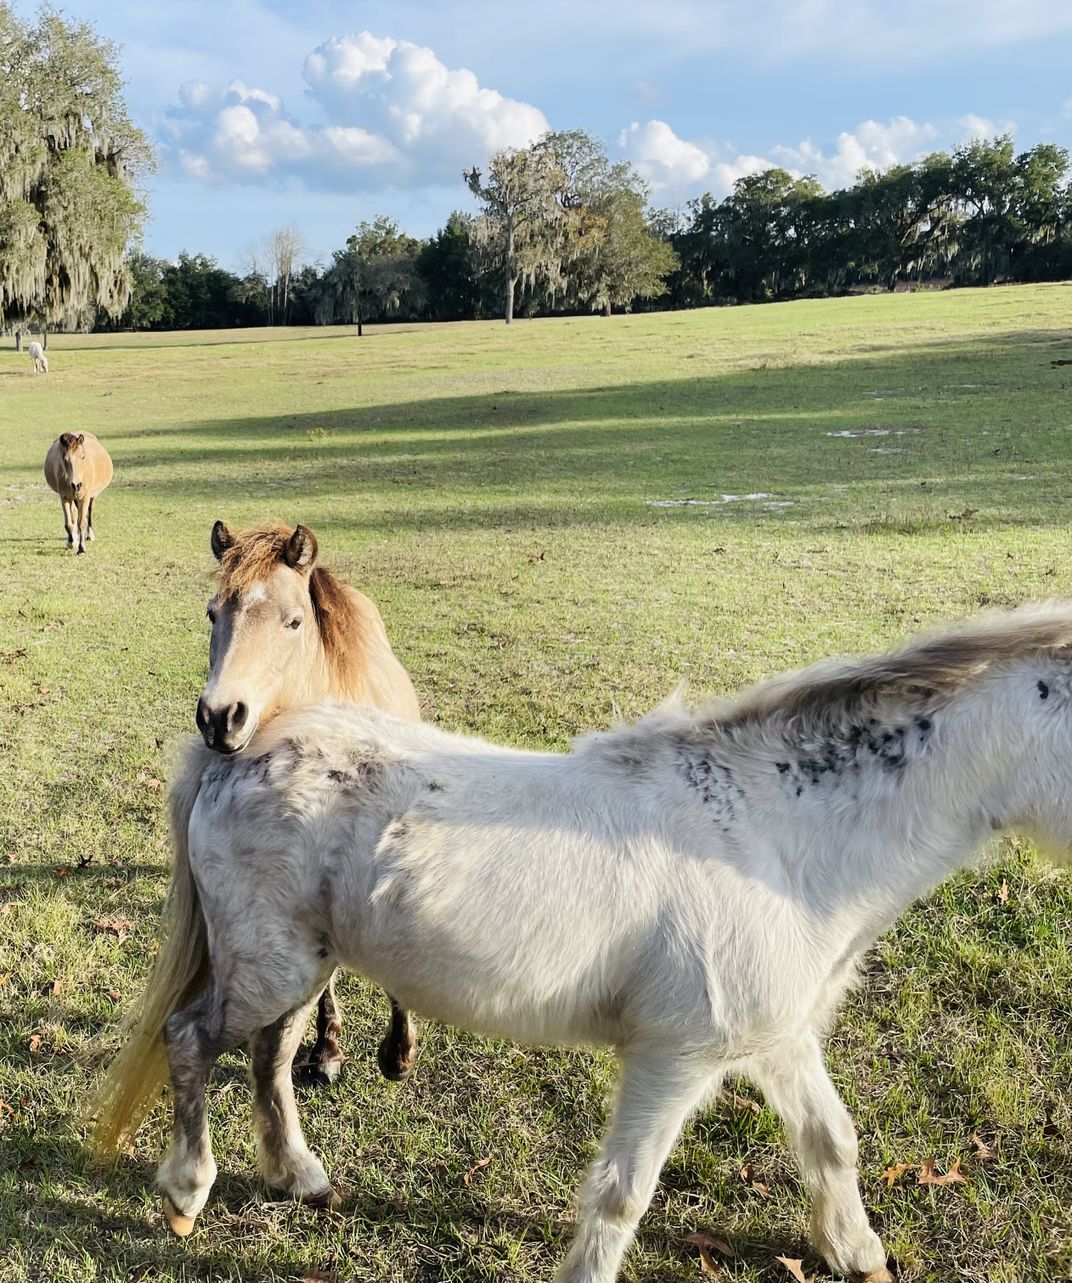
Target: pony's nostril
[(239, 713), (201, 716)]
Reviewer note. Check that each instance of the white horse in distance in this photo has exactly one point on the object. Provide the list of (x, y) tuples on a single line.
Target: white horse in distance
[(39, 357)]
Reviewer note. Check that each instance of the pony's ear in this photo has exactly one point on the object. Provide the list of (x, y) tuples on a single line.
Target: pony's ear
[(221, 540), (300, 552), (65, 440), (80, 439)]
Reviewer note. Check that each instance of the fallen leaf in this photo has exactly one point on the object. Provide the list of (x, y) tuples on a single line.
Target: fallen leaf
[(117, 926), (748, 1175), (709, 1267), (61, 871), (744, 1104), (1003, 892), (320, 1276), (5, 977), (153, 783), (6, 907), (537, 556), (891, 1173), (705, 1241), (984, 1152), (52, 987), (927, 1174), (113, 995), (476, 1167), (35, 1044), (793, 1266)]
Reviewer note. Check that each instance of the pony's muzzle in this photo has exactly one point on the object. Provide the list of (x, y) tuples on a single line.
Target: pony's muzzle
[(223, 729)]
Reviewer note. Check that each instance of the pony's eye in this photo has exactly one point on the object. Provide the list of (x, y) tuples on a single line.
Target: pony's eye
[(211, 614), (295, 623)]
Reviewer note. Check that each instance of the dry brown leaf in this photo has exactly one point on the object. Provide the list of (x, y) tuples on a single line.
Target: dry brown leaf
[(891, 1173), (927, 1175), (748, 1175), (984, 1152), (793, 1264), (6, 907), (61, 871), (52, 987), (707, 1243), (1003, 892), (35, 1044), (744, 1104), (117, 926), (476, 1167), (153, 783), (320, 1276), (536, 556), (5, 977)]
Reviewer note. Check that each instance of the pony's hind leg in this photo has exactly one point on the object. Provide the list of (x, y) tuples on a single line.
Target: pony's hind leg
[(820, 1130), (397, 1053), (286, 1162), (324, 1062), (657, 1093), (89, 518), (188, 1170)]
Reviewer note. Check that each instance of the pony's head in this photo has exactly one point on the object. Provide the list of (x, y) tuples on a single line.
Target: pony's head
[(264, 630), (73, 461)]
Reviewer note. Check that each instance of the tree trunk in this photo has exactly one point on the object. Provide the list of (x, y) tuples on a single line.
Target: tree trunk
[(44, 338), (607, 308), (18, 340), (509, 271)]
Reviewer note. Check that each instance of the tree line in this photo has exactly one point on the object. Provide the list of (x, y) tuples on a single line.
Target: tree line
[(565, 230), (559, 226)]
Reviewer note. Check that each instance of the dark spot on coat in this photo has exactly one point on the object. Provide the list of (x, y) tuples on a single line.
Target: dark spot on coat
[(433, 786), (713, 781), (783, 768), (1043, 690)]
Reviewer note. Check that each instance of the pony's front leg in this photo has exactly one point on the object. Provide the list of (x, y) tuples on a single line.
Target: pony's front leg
[(657, 1093), (186, 1174), (397, 1053), (324, 1063), (820, 1130), (69, 523), (286, 1162), (80, 504)]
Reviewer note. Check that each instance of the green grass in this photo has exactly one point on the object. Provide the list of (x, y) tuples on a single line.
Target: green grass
[(492, 489)]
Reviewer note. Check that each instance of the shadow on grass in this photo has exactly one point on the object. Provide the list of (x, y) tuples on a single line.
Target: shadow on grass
[(606, 455)]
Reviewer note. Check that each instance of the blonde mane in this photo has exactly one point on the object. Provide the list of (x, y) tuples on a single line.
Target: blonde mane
[(345, 619), (933, 667)]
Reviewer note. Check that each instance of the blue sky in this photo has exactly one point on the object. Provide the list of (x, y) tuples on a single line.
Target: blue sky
[(269, 113)]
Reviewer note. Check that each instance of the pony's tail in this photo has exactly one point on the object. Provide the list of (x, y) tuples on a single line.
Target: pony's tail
[(138, 1074)]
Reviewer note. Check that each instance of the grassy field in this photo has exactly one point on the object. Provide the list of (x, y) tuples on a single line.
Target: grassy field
[(560, 521)]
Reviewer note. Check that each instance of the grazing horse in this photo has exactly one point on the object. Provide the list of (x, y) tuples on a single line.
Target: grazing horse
[(78, 468), (287, 632), (39, 357), (694, 890)]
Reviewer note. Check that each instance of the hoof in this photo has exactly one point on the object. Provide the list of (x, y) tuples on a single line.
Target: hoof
[(179, 1224), (317, 1073), (395, 1065), (326, 1201), (81, 551)]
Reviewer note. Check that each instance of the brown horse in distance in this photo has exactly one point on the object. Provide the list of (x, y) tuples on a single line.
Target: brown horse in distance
[(78, 468), (287, 632)]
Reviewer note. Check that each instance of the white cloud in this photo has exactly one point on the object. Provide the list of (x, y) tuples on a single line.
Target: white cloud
[(677, 168), (663, 159), (972, 126), (396, 115)]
